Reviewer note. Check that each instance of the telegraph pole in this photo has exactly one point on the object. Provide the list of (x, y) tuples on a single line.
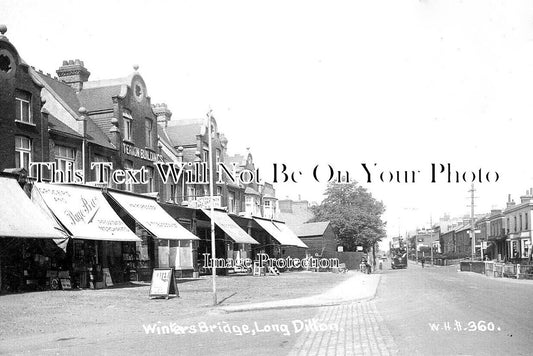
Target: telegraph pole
[(472, 222), (211, 183)]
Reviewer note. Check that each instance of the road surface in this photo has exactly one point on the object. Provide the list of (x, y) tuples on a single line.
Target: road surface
[(430, 311)]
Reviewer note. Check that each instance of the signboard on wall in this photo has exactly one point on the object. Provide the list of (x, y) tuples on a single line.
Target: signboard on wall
[(203, 202), (163, 283)]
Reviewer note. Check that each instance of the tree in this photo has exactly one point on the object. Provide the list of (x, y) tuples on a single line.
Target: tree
[(353, 213)]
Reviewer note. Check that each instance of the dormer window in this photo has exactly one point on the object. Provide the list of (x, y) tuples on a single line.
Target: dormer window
[(23, 107), (128, 125)]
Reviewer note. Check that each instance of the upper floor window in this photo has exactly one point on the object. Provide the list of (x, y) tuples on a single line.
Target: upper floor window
[(128, 186), (96, 172), (217, 156), (150, 178), (65, 158), (526, 227), (23, 106), (128, 125), (191, 192), (515, 224), (23, 152), (231, 202), (149, 133)]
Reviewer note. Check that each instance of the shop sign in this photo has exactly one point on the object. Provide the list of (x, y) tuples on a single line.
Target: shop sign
[(142, 153), (163, 283), (203, 202)]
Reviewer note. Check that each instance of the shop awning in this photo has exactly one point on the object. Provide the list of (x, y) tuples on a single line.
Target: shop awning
[(152, 217), (289, 235), (283, 238), (19, 217), (84, 212), (230, 227)]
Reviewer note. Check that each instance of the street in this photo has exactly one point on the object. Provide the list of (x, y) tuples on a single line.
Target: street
[(430, 311)]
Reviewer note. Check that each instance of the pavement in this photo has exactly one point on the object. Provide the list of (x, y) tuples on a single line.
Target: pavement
[(360, 287)]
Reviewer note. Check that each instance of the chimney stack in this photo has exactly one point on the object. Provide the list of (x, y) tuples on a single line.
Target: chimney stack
[(510, 203), (73, 73), (162, 112)]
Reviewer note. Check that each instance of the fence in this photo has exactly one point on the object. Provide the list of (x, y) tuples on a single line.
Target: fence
[(499, 270)]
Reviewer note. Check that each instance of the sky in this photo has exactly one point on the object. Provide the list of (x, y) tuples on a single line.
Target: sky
[(396, 85)]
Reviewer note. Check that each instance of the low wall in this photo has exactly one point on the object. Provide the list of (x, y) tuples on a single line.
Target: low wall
[(475, 266)]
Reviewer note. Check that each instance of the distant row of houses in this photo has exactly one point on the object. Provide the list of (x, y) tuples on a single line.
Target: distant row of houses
[(502, 235)]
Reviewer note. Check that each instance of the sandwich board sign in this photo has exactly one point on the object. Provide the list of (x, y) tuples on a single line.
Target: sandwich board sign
[(163, 283)]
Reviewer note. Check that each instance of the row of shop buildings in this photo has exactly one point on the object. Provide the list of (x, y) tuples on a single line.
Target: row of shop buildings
[(503, 235), (100, 207)]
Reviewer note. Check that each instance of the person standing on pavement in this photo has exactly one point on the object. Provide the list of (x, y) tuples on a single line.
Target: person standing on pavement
[(422, 262)]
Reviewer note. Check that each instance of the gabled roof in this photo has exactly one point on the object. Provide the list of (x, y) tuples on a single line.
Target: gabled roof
[(67, 97), (311, 229), (61, 91), (170, 153)]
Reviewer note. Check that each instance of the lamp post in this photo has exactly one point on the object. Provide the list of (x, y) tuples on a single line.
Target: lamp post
[(211, 183)]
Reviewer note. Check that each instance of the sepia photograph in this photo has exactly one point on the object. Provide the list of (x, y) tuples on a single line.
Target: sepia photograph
[(244, 177)]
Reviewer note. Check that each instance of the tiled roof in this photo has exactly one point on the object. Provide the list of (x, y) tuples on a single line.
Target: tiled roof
[(184, 132), (61, 91), (55, 124), (311, 229), (95, 135), (252, 191), (100, 98), (66, 96)]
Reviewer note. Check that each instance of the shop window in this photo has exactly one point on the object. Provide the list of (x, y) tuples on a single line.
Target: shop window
[(128, 125), (23, 107), (149, 133), (525, 248), (65, 158), (185, 253), (128, 186), (23, 152)]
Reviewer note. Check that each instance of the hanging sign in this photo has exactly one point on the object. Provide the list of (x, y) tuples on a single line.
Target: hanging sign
[(163, 283)]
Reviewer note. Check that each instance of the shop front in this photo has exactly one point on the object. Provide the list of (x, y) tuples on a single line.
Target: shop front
[(231, 240), (27, 250), (518, 247), (101, 251), (164, 242), (290, 244)]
